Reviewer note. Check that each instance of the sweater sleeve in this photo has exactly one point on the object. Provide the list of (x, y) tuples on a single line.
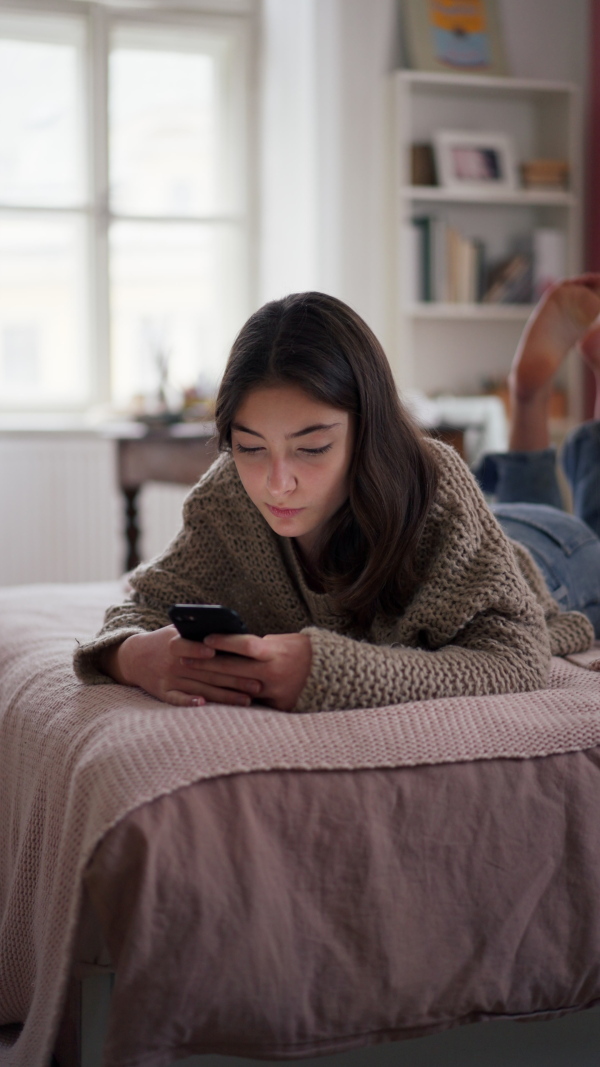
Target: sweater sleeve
[(491, 655), (184, 573), (154, 587)]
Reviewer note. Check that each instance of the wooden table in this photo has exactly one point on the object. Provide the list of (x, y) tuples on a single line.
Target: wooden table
[(177, 454)]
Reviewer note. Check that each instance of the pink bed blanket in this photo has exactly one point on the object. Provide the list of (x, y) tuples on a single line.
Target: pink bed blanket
[(74, 761)]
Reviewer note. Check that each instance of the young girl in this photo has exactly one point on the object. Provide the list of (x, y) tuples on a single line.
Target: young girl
[(360, 553)]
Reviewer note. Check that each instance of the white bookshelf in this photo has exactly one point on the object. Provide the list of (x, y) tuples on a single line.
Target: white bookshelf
[(445, 347)]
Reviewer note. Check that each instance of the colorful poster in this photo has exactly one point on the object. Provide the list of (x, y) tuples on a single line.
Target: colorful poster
[(454, 35), (460, 33)]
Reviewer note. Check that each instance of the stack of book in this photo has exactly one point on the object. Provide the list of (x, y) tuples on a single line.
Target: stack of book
[(446, 267), (449, 268)]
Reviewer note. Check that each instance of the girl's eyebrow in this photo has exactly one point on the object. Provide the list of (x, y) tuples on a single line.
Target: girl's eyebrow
[(299, 433)]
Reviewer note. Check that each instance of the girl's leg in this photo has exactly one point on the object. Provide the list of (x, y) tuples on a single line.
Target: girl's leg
[(566, 551), (513, 477), (528, 472), (581, 453)]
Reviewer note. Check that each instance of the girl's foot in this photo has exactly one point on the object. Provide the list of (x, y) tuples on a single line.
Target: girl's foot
[(561, 320)]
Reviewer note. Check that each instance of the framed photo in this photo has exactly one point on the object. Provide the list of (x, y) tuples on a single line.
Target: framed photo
[(474, 162), (459, 36)]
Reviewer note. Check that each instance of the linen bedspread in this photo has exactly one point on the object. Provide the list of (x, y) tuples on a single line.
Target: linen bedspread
[(75, 760)]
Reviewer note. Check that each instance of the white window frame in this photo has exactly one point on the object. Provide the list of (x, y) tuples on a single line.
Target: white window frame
[(240, 17)]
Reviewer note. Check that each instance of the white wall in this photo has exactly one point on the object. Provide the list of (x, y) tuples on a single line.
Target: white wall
[(547, 38)]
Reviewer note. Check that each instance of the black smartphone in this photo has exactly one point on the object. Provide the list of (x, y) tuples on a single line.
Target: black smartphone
[(197, 621)]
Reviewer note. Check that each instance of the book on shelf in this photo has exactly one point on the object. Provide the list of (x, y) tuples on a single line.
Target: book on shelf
[(509, 282), (422, 165), (464, 264), (545, 174), (421, 267), (538, 261), (413, 273)]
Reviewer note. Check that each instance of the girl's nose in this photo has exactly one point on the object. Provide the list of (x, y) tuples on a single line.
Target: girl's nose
[(280, 478)]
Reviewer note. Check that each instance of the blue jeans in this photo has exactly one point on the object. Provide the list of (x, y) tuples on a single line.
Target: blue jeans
[(528, 505)]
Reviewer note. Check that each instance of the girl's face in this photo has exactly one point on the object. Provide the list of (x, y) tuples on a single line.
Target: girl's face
[(293, 455)]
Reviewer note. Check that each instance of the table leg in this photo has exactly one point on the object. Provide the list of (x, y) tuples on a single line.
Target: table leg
[(132, 530)]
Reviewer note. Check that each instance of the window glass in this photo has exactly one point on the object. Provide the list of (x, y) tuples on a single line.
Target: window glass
[(41, 144), (175, 295), (42, 311), (167, 124)]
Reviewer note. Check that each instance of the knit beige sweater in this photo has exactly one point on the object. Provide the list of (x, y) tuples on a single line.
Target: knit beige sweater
[(481, 621)]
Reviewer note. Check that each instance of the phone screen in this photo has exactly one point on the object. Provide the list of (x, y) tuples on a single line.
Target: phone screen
[(197, 621)]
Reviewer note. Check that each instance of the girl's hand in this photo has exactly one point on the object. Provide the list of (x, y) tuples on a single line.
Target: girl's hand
[(169, 668), (279, 664)]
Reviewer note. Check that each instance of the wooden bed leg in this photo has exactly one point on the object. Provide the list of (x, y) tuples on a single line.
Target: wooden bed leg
[(132, 530)]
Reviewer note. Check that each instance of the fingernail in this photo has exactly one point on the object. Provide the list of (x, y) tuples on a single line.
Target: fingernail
[(197, 702)]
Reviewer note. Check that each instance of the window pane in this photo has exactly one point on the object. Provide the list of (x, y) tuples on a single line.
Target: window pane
[(42, 346), (176, 291), (41, 144), (167, 124)]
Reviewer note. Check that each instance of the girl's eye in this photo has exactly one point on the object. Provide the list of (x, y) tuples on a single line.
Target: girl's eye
[(248, 451), (315, 451), (305, 451)]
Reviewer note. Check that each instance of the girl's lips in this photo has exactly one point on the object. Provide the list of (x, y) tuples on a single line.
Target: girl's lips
[(284, 513)]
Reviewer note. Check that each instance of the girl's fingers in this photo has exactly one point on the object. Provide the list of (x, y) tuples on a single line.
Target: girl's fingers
[(183, 700), (241, 644), (216, 695), (226, 681), (209, 695), (194, 649), (229, 669), (224, 685)]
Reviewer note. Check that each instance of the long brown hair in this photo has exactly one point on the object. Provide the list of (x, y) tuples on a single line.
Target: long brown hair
[(367, 558)]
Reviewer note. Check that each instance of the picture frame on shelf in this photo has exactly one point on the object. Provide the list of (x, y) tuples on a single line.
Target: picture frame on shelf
[(459, 36), (472, 161)]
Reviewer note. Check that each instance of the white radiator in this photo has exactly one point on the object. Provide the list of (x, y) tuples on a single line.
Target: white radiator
[(61, 515)]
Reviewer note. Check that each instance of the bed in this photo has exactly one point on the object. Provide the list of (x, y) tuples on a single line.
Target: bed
[(273, 886)]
